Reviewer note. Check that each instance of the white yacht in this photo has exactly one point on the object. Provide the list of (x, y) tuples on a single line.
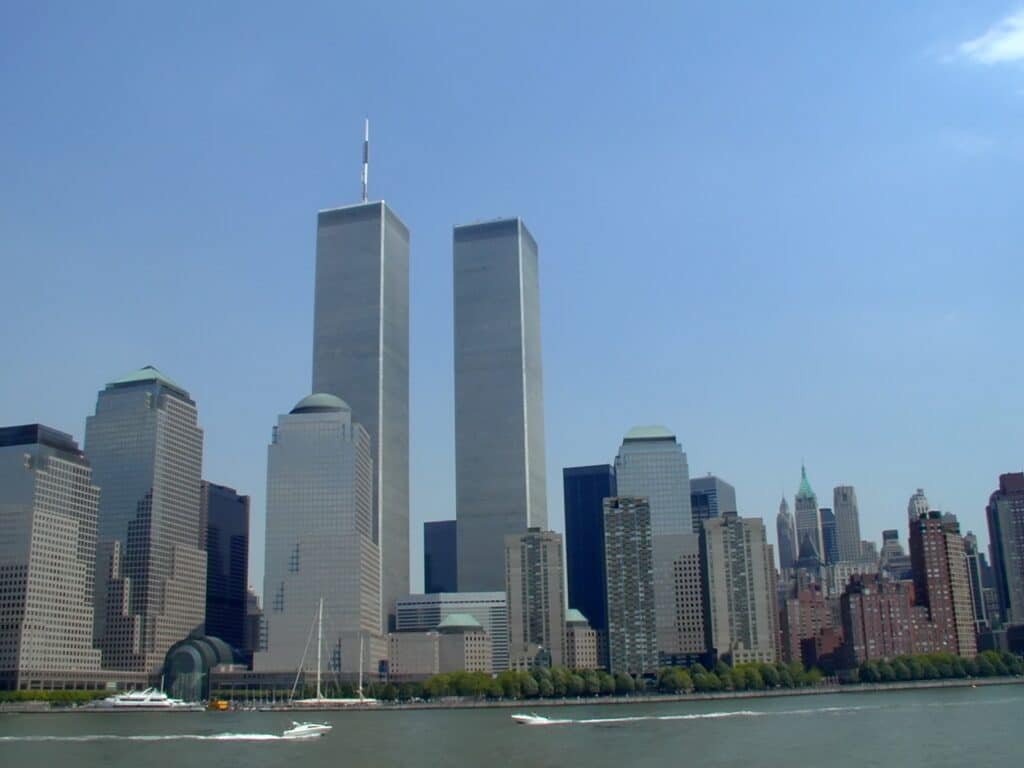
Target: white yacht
[(534, 719), (306, 730), (150, 698)]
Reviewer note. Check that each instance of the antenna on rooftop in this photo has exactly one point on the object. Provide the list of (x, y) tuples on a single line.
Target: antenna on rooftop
[(366, 159)]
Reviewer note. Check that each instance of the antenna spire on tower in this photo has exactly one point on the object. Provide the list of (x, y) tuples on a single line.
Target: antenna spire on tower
[(366, 159)]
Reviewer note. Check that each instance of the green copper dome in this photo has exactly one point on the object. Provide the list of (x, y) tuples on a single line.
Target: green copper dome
[(320, 402), (573, 616), (459, 622)]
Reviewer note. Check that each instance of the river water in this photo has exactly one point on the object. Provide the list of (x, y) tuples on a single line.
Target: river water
[(934, 728)]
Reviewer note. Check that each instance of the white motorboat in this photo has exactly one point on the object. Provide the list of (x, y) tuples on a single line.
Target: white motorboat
[(534, 719), (306, 730), (150, 698)]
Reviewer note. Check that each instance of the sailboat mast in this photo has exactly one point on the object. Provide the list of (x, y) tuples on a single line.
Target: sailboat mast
[(319, 646)]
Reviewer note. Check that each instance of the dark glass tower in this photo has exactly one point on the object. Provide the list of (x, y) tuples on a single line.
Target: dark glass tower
[(829, 535), (224, 516), (440, 557), (710, 497), (585, 490)]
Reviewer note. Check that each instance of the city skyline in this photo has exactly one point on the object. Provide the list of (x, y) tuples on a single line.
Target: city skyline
[(244, 263)]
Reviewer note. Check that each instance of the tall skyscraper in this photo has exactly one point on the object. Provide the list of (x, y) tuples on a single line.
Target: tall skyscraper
[(585, 489), (974, 573), (319, 541), (534, 583), (740, 581), (844, 503), (440, 559), (941, 582), (629, 565), (808, 520), (1005, 513), (829, 535), (146, 451), (917, 506), (361, 354), (651, 464), (224, 516), (48, 511), (785, 529), (709, 497), (500, 477)]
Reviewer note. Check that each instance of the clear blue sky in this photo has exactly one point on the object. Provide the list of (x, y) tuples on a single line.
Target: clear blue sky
[(785, 231)]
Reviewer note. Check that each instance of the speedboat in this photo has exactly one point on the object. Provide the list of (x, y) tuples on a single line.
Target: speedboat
[(150, 698), (306, 730), (534, 719)]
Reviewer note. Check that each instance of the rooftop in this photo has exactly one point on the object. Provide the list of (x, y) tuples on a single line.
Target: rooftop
[(148, 374), (573, 616), (320, 402), (455, 622), (652, 432)]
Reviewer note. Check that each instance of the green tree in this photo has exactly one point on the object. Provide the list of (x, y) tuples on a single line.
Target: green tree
[(529, 686), (510, 685), (885, 672), (624, 684), (900, 670), (754, 680), (607, 683), (770, 675)]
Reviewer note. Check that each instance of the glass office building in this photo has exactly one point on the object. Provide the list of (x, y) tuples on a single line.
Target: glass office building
[(440, 559), (361, 354), (585, 489), (224, 515), (146, 451), (319, 542), (500, 478)]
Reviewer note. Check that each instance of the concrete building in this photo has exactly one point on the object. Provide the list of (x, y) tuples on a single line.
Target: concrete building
[(1005, 514), (361, 354), (974, 560), (878, 620), (629, 565), (535, 585), (804, 616), (458, 644), (585, 489), (917, 506), (581, 642), (48, 518), (224, 517), (785, 529), (500, 476), (423, 613), (146, 451), (808, 522), (847, 514), (710, 496), (740, 580), (941, 582), (440, 557), (319, 541), (893, 562), (679, 584)]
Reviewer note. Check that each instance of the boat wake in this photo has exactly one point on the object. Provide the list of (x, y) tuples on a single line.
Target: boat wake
[(539, 720), (154, 737)]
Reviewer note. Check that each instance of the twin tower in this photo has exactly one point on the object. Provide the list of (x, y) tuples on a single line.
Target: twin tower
[(361, 354)]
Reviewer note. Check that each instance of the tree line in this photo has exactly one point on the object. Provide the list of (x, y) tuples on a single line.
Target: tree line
[(938, 666)]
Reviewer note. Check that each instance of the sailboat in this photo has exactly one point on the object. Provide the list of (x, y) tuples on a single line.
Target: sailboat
[(321, 701)]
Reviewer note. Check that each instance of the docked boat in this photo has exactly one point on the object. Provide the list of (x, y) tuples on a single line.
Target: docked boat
[(148, 699), (534, 719), (306, 730)]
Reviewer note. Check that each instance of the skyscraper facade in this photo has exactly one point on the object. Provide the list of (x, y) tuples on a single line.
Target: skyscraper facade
[(440, 558), (1005, 514), (709, 497), (48, 514), (361, 354), (974, 574), (844, 504), (917, 506), (319, 541), (785, 529), (740, 581), (585, 489), (224, 516), (808, 521), (652, 465), (500, 475), (829, 535), (146, 451), (629, 565), (941, 582), (535, 578)]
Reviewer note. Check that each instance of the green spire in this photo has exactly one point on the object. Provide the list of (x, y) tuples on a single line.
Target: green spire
[(805, 487)]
